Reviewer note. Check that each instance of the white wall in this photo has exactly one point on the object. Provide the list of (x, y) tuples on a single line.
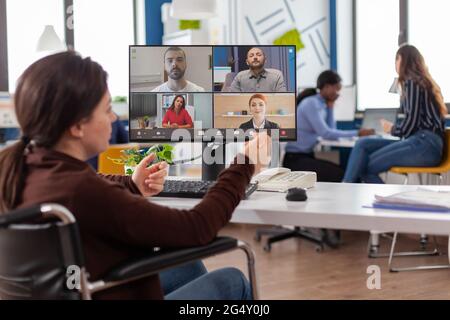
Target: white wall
[(262, 21)]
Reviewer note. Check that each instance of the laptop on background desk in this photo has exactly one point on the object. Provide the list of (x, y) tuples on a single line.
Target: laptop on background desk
[(372, 117)]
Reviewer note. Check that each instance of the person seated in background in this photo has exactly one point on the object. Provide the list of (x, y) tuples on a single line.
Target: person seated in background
[(422, 129), (116, 220), (257, 106), (315, 119), (177, 115), (257, 78), (119, 135), (175, 65)]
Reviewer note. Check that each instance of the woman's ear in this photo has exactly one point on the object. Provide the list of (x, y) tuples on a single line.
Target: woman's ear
[(76, 130)]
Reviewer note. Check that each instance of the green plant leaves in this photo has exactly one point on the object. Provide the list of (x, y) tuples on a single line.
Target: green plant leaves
[(163, 153), (132, 157)]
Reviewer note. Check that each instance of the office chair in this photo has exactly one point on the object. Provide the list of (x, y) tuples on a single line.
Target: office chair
[(438, 171), (35, 259)]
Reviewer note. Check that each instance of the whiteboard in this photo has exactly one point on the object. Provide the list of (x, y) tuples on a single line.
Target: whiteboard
[(262, 21)]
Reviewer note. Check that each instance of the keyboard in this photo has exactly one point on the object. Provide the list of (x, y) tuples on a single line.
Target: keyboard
[(194, 188)]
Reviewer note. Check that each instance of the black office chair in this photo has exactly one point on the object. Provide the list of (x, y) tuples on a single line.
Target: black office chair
[(323, 237), (37, 261)]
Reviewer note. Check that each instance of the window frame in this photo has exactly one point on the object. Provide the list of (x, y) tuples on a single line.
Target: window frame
[(68, 31), (402, 38), (4, 82)]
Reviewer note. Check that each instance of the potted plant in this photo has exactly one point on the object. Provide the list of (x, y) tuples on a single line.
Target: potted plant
[(132, 157), (146, 121)]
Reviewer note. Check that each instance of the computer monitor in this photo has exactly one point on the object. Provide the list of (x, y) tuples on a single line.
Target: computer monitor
[(211, 92)]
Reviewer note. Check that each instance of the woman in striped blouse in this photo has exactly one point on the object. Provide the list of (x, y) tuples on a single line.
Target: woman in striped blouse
[(422, 129)]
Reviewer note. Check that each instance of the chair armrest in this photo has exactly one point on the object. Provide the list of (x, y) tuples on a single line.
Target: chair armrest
[(164, 259), (20, 215)]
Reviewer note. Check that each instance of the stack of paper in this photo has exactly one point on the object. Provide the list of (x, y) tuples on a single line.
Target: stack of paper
[(418, 200)]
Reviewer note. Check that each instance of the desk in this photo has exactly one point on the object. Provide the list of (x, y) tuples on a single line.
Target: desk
[(350, 142), (333, 206), (340, 143)]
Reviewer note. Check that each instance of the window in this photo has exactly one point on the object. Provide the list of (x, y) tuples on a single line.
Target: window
[(103, 30), (377, 29), (25, 23), (427, 21)]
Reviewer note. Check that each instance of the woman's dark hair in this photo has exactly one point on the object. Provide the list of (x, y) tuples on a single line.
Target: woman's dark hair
[(172, 106), (413, 67), (52, 94), (328, 77), (305, 94)]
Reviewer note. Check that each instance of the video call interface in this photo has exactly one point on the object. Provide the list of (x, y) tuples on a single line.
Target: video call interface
[(197, 88)]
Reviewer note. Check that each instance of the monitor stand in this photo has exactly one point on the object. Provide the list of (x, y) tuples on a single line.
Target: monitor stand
[(216, 151)]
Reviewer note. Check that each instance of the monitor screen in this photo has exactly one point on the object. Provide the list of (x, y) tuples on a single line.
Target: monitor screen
[(205, 92)]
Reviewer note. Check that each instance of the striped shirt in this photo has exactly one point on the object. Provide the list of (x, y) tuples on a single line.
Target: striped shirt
[(421, 112)]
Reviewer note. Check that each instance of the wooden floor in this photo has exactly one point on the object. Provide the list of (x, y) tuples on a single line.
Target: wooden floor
[(294, 270)]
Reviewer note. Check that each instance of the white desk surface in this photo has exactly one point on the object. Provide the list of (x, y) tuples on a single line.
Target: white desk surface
[(341, 143), (347, 142), (332, 205)]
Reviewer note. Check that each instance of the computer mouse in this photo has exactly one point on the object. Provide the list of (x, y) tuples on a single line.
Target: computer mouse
[(296, 194)]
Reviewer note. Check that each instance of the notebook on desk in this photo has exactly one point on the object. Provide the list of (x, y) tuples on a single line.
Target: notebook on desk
[(418, 200)]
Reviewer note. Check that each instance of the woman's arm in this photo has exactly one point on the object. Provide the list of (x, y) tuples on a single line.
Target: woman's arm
[(312, 115), (147, 180), (105, 210), (125, 181), (187, 120), (165, 120), (134, 220)]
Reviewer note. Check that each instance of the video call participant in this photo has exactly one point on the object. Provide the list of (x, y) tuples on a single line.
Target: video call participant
[(175, 65), (315, 119), (177, 116), (257, 78), (257, 106)]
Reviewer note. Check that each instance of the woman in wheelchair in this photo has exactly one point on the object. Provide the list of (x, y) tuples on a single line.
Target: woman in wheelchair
[(64, 110)]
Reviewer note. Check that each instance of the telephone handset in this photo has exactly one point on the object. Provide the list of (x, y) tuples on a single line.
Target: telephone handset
[(282, 179)]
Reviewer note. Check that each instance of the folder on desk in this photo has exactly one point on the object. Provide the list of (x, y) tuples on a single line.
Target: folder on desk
[(417, 200)]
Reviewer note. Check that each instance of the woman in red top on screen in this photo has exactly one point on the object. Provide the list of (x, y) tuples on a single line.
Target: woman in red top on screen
[(177, 116)]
